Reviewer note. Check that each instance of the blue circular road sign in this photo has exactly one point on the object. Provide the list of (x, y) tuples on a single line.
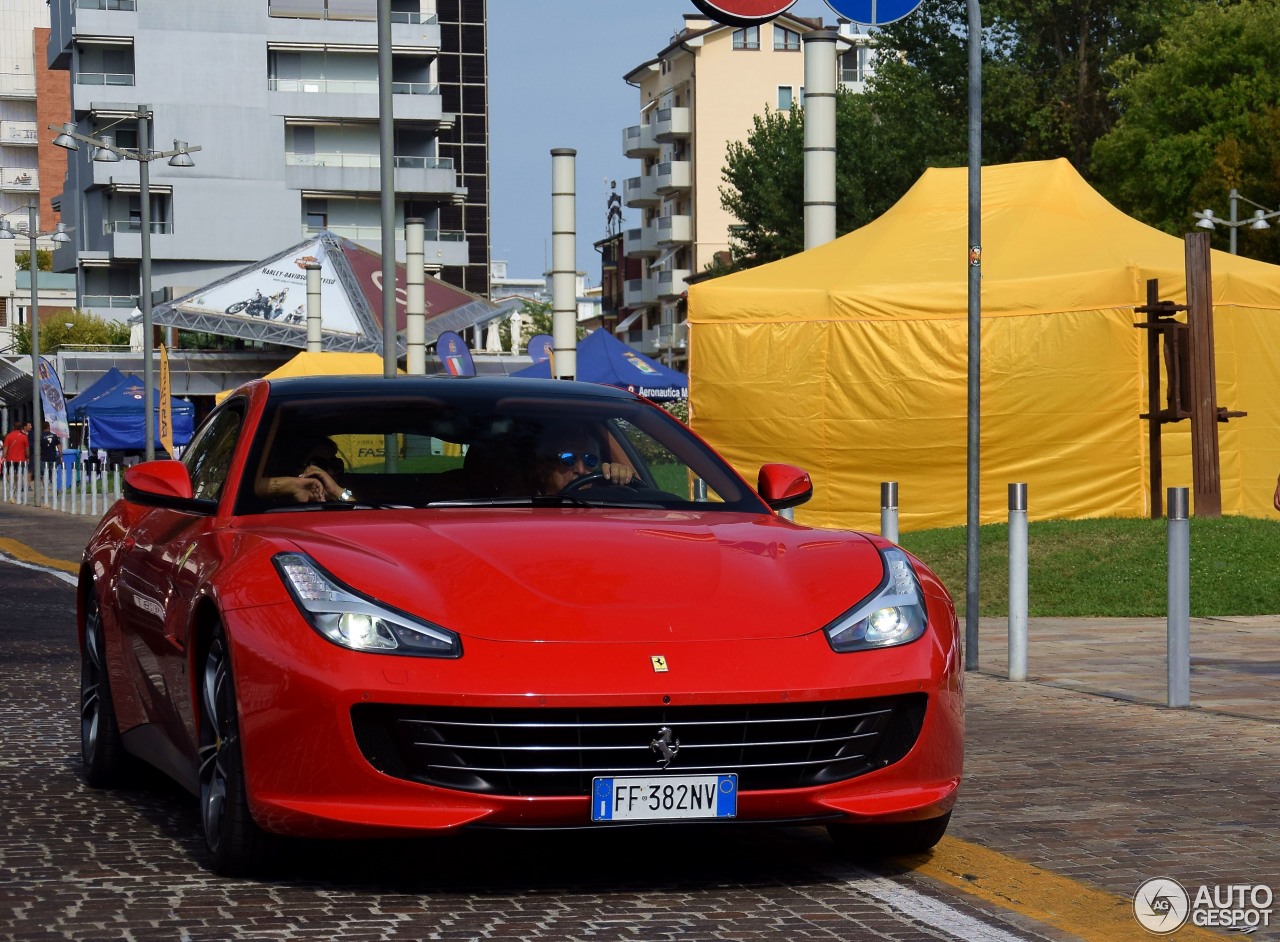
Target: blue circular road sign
[(873, 12)]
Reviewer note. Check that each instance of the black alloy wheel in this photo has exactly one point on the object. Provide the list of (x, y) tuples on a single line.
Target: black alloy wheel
[(237, 844), (101, 750)]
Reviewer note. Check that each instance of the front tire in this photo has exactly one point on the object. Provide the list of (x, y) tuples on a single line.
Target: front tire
[(874, 841), (238, 846), (102, 754)]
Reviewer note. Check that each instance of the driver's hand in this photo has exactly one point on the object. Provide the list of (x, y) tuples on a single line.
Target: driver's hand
[(616, 472)]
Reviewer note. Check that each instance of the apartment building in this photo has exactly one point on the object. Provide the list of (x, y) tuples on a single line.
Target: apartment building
[(30, 97), (281, 98), (699, 93)]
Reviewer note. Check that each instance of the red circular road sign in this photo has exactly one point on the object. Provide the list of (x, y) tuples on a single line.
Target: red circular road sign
[(743, 12)]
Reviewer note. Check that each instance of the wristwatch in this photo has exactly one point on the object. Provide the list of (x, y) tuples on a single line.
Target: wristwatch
[(346, 495)]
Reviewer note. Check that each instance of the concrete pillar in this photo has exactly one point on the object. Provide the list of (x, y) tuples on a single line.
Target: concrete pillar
[(415, 328), (315, 343), (819, 136), (564, 269)]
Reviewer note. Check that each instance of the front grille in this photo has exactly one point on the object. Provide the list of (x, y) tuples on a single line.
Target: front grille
[(528, 752)]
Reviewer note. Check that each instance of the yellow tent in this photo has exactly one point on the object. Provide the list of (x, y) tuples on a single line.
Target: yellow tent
[(325, 363), (850, 359)]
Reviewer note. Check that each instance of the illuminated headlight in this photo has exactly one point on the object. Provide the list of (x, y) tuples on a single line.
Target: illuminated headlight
[(354, 621), (894, 614)]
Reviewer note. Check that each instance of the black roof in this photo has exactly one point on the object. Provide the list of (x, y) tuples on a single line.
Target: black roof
[(305, 386)]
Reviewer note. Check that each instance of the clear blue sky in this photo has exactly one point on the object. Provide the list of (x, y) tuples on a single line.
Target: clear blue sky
[(555, 80)]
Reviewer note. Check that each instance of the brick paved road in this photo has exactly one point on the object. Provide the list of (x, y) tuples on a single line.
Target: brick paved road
[(1104, 791), (87, 865)]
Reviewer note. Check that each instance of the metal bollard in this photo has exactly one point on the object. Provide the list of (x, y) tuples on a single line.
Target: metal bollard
[(1179, 624), (1017, 582), (889, 510)]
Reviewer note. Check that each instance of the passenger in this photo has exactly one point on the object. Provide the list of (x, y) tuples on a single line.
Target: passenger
[(567, 453)]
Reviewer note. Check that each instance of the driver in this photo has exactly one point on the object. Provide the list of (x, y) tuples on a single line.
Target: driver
[(567, 453)]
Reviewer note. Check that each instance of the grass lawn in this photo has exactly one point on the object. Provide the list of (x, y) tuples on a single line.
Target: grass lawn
[(1113, 567)]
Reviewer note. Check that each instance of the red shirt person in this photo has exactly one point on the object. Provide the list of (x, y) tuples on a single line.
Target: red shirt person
[(16, 444)]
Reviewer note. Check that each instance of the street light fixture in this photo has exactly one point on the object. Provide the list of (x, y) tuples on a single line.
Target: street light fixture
[(1208, 219), (107, 151), (58, 235)]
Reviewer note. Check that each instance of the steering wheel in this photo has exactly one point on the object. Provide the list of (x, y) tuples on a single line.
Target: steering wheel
[(597, 477)]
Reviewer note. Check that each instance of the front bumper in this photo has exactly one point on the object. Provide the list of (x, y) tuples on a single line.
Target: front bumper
[(313, 770)]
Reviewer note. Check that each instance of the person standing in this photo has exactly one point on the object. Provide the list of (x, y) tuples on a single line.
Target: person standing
[(50, 448), (16, 447), (1276, 500)]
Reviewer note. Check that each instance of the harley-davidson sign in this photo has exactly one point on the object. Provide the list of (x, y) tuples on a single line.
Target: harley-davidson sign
[(743, 12)]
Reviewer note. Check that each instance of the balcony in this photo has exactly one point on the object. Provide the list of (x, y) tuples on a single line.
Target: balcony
[(672, 283), (670, 124), (18, 86), (639, 241), (19, 180), (637, 141), (674, 175), (351, 172), (677, 229), (638, 292), (641, 191), (354, 98), (109, 302), (20, 133)]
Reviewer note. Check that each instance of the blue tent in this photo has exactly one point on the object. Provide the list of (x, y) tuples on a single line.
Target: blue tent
[(604, 359), (103, 384), (115, 417)]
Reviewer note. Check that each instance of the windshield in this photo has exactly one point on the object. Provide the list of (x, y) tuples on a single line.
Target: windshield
[(474, 449)]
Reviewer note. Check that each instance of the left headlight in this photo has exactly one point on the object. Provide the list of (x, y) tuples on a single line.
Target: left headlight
[(893, 614), (355, 621)]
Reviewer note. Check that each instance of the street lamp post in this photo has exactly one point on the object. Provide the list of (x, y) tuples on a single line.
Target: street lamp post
[(59, 234), (106, 150), (1208, 220)]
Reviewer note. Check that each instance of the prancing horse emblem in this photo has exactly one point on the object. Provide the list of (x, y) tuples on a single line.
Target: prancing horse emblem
[(666, 746)]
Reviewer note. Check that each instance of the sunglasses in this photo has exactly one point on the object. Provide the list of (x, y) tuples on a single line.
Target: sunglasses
[(570, 458)]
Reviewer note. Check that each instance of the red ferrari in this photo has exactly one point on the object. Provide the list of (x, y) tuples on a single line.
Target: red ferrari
[(373, 607)]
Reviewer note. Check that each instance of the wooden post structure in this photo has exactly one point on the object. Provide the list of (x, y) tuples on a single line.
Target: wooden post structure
[(1162, 330), (1206, 477)]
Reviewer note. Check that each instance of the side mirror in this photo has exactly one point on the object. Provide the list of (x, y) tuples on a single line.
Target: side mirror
[(784, 485), (164, 483)]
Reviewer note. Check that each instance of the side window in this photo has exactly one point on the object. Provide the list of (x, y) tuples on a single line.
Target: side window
[(208, 457)]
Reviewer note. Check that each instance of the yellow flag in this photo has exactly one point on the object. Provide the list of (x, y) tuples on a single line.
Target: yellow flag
[(166, 409)]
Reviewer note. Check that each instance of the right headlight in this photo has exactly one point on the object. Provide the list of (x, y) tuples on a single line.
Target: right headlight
[(894, 614), (355, 621)]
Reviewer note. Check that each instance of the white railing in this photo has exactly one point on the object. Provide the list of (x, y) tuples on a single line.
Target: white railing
[(104, 78), (367, 161), (348, 86), (80, 488), (373, 233)]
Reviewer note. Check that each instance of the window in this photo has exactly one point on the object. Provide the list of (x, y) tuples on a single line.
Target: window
[(785, 40), (208, 457), (785, 94), (746, 38)]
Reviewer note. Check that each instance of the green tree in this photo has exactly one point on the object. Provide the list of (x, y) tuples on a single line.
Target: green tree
[(1048, 70), (44, 260), (67, 328), (1201, 117), (535, 318)]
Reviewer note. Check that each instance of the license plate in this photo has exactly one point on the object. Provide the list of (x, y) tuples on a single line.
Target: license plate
[(664, 798)]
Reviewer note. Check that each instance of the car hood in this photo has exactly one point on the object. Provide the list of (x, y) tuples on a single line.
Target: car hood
[(594, 575)]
